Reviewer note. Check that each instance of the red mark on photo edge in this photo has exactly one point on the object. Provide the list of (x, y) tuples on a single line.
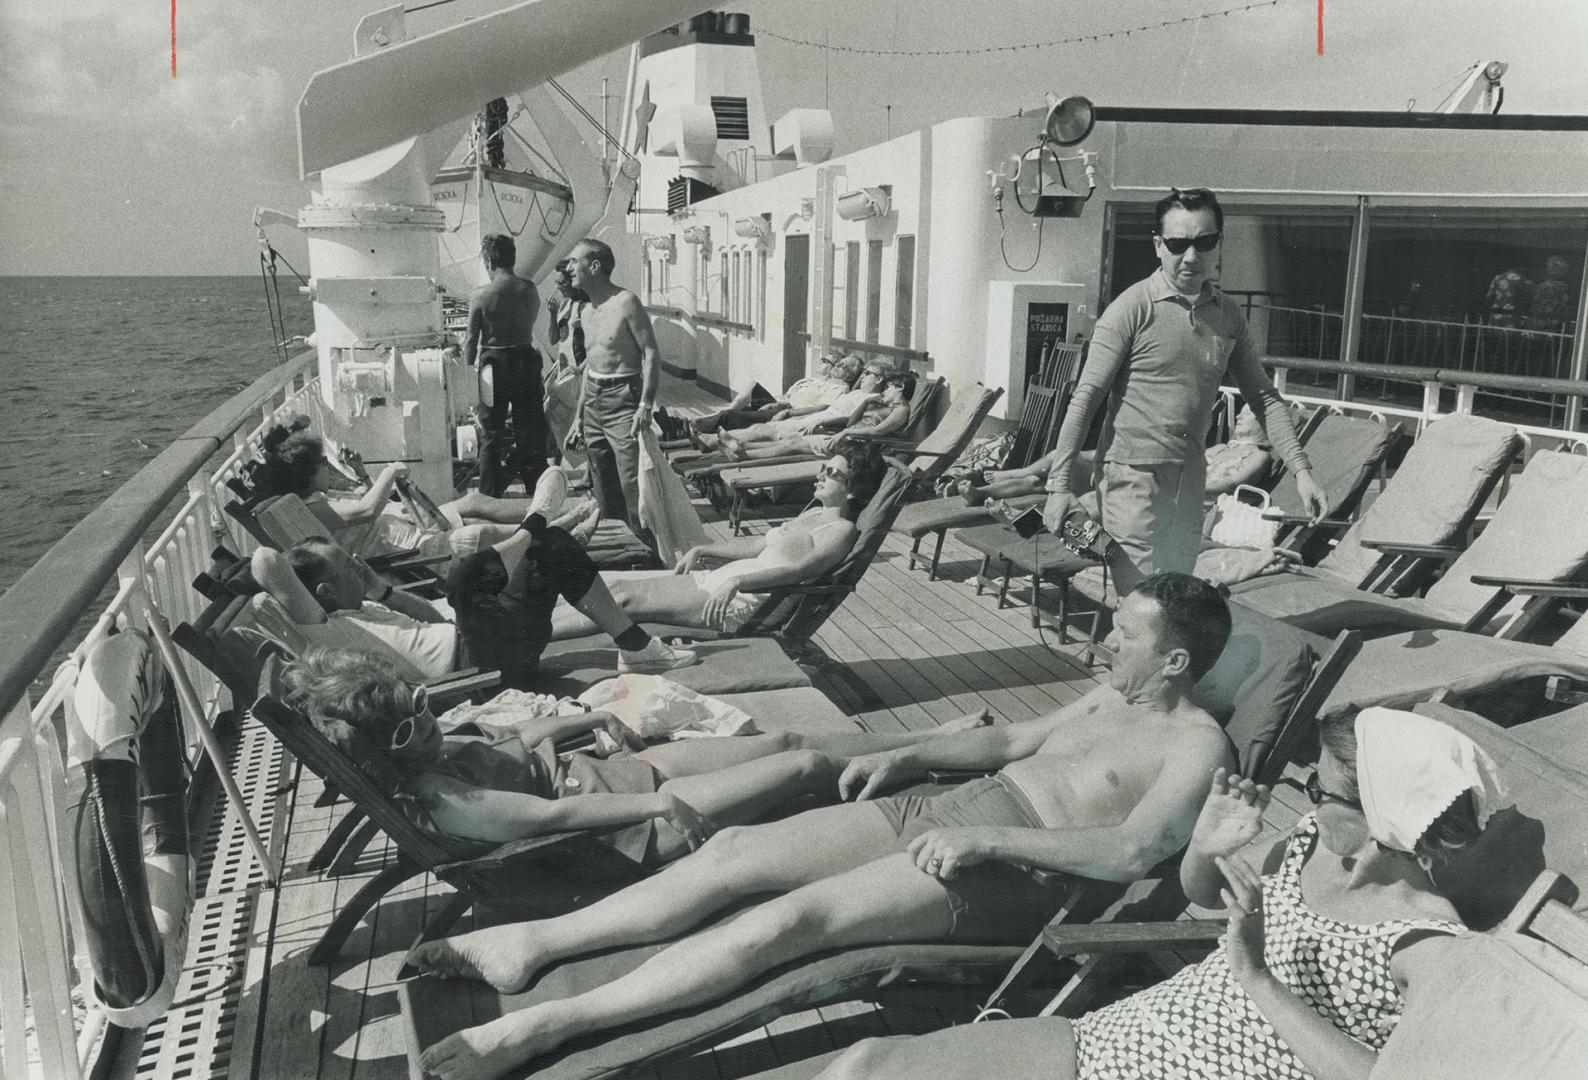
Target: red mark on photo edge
[(1320, 28), (173, 34)]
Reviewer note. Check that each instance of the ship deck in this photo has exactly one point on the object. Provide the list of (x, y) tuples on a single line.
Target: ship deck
[(906, 655)]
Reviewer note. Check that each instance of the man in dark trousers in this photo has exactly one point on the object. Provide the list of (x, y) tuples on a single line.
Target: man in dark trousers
[(501, 319)]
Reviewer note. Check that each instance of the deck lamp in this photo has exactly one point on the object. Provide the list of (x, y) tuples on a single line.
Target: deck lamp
[(1067, 123)]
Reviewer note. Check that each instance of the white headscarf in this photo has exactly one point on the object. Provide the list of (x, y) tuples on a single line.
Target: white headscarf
[(1409, 769)]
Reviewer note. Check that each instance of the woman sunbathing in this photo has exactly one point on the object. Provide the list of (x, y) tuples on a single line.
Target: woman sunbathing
[(1321, 951), (794, 552), (507, 782), (295, 463), (886, 416)]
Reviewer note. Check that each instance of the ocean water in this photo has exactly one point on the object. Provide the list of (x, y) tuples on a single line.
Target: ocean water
[(98, 375)]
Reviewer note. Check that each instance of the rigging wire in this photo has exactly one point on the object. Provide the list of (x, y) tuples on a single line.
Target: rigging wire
[(1022, 47)]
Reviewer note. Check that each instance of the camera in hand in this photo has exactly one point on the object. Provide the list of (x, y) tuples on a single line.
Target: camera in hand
[(1084, 535)]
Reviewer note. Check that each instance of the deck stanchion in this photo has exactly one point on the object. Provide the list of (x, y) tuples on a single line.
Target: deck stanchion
[(212, 747)]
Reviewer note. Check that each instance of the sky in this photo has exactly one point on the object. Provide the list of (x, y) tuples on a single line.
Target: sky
[(109, 165)]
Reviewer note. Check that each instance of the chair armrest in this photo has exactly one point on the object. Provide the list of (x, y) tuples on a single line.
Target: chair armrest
[(1533, 586), (1422, 551), (459, 685), (404, 560), (1067, 939), (512, 849), (1325, 523)]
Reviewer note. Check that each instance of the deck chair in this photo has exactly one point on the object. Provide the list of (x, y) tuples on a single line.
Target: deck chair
[(1432, 499), (927, 458), (1040, 418), (1485, 883), (1399, 670), (1539, 534), (704, 470), (433, 1008), (522, 879)]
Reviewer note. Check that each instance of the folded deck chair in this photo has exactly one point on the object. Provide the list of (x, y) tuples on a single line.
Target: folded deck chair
[(1539, 533), (1040, 418), (1432, 499), (433, 1008), (926, 458), (705, 470), (1485, 883)]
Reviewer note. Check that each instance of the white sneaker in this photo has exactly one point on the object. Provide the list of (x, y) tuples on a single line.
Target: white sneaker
[(656, 656)]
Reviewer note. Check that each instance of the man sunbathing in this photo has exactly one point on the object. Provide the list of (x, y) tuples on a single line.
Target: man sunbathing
[(887, 415), (846, 410), (501, 598), (1104, 788)]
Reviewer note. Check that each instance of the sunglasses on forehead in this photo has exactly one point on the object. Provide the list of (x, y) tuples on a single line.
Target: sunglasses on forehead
[(1205, 243)]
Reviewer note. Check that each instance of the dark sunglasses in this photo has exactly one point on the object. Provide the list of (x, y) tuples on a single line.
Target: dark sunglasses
[(1205, 243), (1317, 794), (403, 735)]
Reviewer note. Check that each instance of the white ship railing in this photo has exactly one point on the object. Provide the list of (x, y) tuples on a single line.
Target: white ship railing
[(151, 538)]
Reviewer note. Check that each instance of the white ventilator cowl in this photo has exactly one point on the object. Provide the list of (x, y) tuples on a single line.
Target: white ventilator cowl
[(1410, 768)]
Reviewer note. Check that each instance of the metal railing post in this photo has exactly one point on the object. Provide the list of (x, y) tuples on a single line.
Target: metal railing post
[(1351, 318)]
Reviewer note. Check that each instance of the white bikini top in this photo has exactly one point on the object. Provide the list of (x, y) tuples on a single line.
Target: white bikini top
[(786, 545)]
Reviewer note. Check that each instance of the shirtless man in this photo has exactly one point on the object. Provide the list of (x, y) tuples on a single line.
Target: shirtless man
[(1104, 788), (618, 395), (501, 321)]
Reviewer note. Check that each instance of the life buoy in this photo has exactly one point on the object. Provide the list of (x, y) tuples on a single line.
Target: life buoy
[(124, 752)]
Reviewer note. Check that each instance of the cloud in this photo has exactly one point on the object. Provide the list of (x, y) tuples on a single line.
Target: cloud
[(88, 64)]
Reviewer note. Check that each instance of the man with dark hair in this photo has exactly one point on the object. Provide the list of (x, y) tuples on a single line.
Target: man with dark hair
[(1159, 353), (1103, 788), (622, 374), (501, 322)]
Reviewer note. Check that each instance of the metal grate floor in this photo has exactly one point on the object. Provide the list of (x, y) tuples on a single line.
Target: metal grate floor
[(194, 1039)]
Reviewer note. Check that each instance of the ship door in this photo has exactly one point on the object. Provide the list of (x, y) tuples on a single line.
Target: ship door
[(796, 305)]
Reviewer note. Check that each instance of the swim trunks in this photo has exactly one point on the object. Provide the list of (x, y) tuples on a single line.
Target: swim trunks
[(992, 901)]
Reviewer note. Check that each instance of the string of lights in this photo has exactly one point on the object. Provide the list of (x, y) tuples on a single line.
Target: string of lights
[(1075, 39)]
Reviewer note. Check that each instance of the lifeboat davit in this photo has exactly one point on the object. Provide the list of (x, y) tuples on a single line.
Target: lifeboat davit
[(134, 873)]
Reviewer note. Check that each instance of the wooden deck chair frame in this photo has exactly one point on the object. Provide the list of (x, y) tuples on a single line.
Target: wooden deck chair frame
[(854, 973), (531, 878)]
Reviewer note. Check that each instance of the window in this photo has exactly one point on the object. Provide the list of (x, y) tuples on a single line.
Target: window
[(760, 294), (851, 289), (904, 295), (733, 117), (737, 292), (722, 286), (1493, 292), (873, 291)]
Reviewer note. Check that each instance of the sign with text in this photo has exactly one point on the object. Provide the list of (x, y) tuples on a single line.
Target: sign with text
[(1046, 323)]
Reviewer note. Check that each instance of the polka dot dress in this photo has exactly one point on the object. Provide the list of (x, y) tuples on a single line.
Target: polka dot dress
[(1200, 1023)]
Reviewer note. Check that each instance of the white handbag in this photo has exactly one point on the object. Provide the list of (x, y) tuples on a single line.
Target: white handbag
[(1245, 524)]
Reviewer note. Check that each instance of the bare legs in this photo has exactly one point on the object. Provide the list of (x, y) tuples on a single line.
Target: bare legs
[(737, 862), (551, 491), (1037, 1047), (886, 899)]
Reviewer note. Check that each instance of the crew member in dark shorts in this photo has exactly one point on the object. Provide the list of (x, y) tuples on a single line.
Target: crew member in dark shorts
[(501, 319)]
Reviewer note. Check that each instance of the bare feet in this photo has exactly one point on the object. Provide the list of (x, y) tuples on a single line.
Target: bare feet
[(489, 1050), (502, 956), (966, 723), (732, 447), (970, 494)]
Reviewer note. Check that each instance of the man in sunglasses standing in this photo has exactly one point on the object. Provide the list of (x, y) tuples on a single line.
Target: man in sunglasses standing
[(1158, 354)]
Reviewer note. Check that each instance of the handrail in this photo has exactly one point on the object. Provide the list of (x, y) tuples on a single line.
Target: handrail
[(700, 317), (1454, 376), (40, 609)]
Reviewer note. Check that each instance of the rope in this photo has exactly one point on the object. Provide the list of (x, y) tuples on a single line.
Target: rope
[(1075, 39)]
